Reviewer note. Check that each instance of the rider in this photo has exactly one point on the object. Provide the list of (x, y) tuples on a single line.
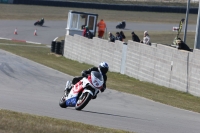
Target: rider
[(42, 20), (102, 68)]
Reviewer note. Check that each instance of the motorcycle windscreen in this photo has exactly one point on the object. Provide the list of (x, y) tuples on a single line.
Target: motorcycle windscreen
[(97, 79)]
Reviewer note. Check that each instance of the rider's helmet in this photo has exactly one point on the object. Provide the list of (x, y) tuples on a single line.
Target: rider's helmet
[(103, 66)]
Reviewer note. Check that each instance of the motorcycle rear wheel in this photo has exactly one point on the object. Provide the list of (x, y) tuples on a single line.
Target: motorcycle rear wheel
[(83, 101)]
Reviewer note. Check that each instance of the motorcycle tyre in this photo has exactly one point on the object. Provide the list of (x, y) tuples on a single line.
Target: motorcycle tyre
[(85, 101), (35, 23), (62, 103)]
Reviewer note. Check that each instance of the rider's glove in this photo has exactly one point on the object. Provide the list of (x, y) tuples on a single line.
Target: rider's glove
[(84, 74)]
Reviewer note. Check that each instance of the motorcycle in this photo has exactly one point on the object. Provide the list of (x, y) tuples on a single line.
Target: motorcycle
[(121, 25), (40, 23), (82, 92)]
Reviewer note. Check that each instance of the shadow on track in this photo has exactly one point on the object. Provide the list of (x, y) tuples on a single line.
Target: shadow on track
[(115, 115)]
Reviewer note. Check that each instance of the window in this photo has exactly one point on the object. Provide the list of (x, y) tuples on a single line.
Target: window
[(74, 23), (82, 21), (91, 22)]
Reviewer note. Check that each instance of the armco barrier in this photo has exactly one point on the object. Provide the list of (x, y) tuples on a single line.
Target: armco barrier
[(159, 64), (173, 9)]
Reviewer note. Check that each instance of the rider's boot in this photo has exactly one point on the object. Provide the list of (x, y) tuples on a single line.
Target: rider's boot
[(95, 96)]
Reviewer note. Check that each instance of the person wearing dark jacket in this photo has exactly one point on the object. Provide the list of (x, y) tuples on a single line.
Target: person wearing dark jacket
[(135, 37), (87, 33), (118, 37), (182, 45), (111, 37), (102, 68), (122, 35)]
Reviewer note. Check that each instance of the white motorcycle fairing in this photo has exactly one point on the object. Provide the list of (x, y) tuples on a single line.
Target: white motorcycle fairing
[(91, 85)]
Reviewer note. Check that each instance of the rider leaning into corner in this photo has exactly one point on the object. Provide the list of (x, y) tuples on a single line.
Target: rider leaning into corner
[(102, 68), (42, 20)]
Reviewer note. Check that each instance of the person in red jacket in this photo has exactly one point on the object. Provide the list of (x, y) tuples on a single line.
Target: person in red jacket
[(101, 28), (84, 30)]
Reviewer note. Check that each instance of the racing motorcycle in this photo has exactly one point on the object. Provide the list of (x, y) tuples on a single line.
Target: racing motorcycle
[(82, 92), (121, 25), (40, 23)]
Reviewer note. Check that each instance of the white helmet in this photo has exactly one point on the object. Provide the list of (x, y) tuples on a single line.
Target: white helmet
[(104, 67)]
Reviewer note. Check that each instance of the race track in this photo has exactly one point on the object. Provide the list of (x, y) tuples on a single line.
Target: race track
[(53, 29), (29, 87)]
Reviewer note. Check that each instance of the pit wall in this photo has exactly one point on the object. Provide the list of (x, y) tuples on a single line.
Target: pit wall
[(158, 64)]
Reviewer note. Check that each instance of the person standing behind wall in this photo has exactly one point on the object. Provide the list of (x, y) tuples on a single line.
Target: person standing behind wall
[(135, 37), (182, 45), (118, 36), (87, 33), (84, 31), (111, 37), (146, 38), (101, 28)]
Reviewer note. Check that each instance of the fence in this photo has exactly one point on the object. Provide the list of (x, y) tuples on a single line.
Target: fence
[(159, 64)]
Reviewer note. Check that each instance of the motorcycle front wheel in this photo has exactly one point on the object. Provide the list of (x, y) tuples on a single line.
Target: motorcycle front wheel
[(62, 102), (83, 101)]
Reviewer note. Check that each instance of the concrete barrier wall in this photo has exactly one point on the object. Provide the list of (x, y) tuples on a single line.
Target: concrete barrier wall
[(93, 51), (159, 64), (163, 65), (194, 73)]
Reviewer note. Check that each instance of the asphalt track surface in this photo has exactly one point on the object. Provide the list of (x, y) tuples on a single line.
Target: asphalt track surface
[(52, 29), (32, 88)]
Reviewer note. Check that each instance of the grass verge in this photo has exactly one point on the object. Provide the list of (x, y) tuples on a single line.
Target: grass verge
[(13, 122)]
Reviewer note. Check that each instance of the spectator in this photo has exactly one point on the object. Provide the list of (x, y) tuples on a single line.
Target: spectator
[(84, 31), (182, 45), (146, 38), (118, 36), (122, 35), (101, 28), (135, 37), (111, 37), (87, 33)]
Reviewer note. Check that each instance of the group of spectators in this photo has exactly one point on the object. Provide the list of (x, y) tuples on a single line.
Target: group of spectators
[(145, 40), (120, 36)]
